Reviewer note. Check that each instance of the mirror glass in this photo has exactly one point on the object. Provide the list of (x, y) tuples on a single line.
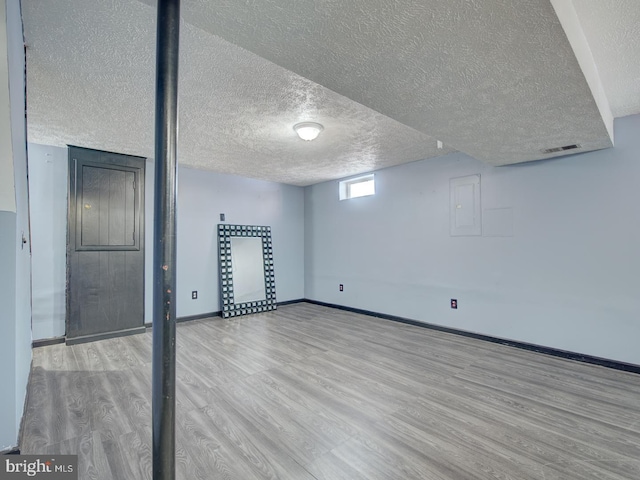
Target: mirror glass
[(247, 278), (247, 269)]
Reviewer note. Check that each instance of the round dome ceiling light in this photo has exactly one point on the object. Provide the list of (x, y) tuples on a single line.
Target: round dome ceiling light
[(308, 130)]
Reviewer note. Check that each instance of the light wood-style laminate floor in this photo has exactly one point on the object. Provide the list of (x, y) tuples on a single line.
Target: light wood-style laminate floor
[(308, 392)]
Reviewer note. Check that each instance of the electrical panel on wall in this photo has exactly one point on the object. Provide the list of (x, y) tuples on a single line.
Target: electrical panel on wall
[(464, 209)]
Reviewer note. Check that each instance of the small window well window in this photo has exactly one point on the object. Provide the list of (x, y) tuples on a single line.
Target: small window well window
[(357, 187)]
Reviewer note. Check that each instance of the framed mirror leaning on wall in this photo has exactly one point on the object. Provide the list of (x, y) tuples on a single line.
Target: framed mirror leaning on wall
[(247, 280)]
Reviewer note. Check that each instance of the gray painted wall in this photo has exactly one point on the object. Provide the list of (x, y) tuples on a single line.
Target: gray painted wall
[(15, 342), (8, 432), (23, 253), (202, 197), (567, 278), (7, 192), (48, 204)]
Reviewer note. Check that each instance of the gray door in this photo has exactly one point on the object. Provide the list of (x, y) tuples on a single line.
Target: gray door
[(105, 247)]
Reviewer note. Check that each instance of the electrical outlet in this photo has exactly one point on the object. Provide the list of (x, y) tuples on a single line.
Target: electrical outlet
[(222, 217), (341, 288), (454, 303), (194, 295)]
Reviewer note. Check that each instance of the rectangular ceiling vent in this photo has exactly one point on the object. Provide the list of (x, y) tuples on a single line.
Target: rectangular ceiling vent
[(561, 149)]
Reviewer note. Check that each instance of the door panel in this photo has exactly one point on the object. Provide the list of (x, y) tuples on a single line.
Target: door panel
[(107, 210), (105, 258)]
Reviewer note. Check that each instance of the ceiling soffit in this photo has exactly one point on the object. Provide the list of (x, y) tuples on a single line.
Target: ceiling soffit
[(495, 79), (612, 30)]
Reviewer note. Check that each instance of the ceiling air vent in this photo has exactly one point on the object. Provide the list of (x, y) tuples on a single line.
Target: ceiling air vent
[(561, 149)]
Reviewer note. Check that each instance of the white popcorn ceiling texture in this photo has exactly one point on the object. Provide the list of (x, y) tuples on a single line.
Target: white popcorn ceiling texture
[(612, 28), (386, 79)]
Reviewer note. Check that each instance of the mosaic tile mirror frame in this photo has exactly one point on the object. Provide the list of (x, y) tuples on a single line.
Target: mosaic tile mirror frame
[(239, 255)]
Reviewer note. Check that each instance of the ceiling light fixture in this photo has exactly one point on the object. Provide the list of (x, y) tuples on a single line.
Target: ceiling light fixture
[(308, 130)]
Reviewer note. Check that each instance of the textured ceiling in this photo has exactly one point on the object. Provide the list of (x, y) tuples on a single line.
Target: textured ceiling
[(91, 83), (496, 79), (612, 29)]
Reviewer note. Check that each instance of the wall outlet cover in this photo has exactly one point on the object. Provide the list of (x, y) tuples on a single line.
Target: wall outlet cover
[(454, 303)]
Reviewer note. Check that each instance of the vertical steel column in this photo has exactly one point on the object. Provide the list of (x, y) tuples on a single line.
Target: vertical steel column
[(164, 259)]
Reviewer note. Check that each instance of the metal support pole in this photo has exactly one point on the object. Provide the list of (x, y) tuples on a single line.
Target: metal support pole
[(164, 259)]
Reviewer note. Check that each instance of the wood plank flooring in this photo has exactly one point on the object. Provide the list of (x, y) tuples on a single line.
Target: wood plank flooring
[(308, 392)]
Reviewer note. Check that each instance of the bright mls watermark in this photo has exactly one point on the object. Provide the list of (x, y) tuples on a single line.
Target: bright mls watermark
[(50, 467)]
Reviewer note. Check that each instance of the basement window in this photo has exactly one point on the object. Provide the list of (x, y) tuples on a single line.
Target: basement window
[(357, 187)]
